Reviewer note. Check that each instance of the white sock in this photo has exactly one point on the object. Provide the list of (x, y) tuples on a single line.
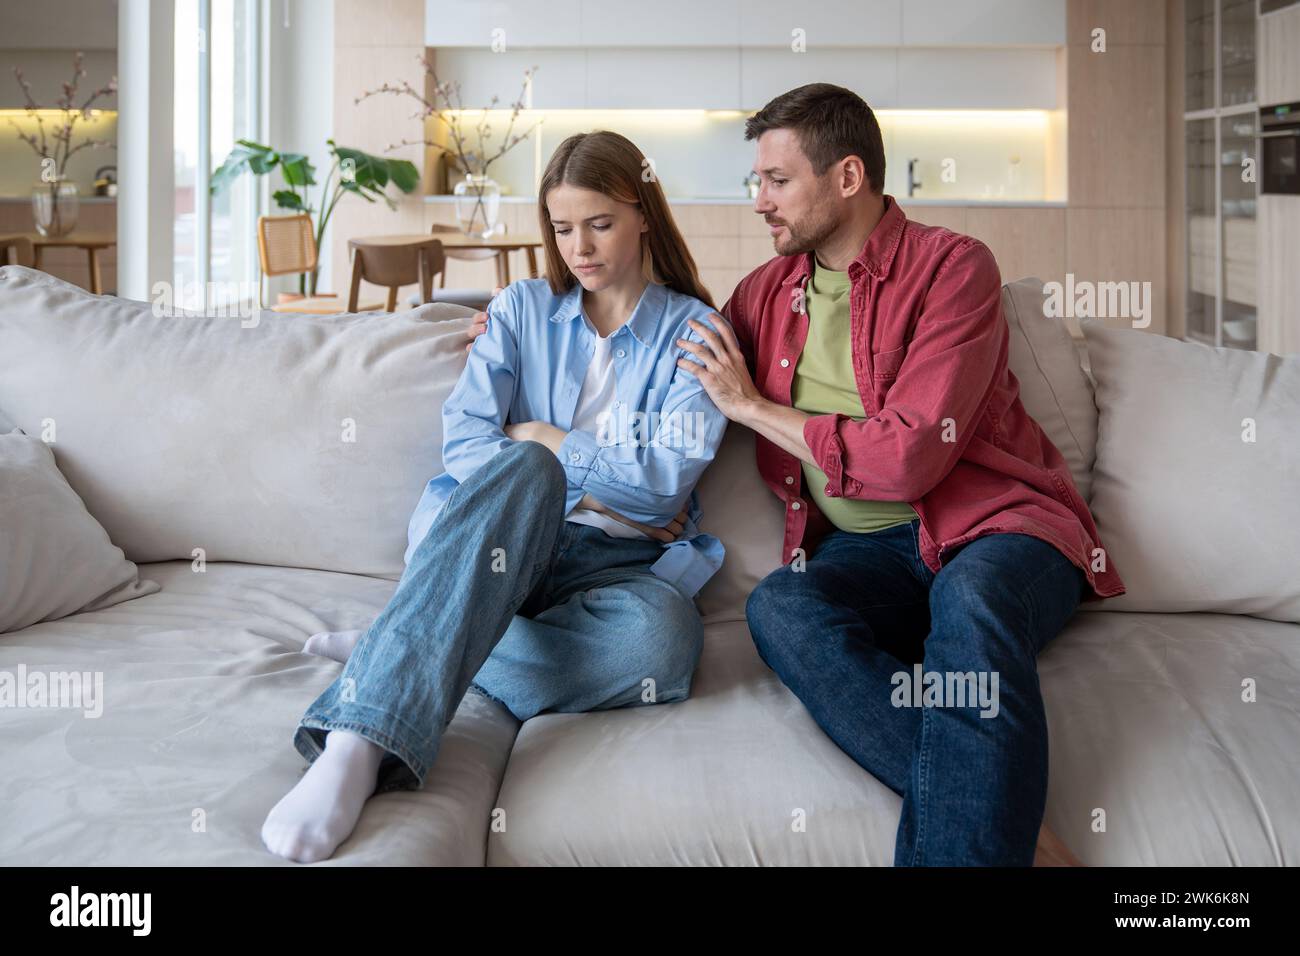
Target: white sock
[(336, 645), (313, 818)]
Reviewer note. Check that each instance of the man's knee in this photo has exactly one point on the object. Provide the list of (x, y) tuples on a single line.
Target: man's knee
[(775, 594), (780, 600), (776, 611), (981, 619)]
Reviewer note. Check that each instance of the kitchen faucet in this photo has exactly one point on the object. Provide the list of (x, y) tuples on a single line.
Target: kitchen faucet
[(913, 183)]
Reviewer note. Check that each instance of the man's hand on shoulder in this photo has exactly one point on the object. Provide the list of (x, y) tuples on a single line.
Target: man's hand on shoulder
[(478, 324), (722, 368)]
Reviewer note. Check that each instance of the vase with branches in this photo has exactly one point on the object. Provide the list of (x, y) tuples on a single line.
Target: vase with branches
[(54, 200), (473, 149)]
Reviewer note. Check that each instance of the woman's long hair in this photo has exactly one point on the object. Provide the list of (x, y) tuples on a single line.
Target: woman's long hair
[(611, 165)]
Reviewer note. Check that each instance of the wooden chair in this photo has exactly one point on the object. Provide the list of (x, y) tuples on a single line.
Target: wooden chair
[(476, 299), (286, 245), (392, 263), (17, 251), (476, 255)]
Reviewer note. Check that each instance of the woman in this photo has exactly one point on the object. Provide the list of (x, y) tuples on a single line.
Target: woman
[(553, 565)]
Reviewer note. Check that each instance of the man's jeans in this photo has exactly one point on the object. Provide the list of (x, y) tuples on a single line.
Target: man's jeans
[(538, 612), (866, 608)]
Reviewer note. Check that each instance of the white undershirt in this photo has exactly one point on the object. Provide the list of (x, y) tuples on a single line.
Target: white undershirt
[(595, 398)]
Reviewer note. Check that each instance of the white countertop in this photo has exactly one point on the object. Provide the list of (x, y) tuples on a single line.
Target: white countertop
[(80, 198)]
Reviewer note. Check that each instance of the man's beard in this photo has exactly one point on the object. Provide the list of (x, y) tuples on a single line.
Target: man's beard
[(805, 237)]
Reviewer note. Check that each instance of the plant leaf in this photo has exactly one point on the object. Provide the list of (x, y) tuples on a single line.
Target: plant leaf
[(246, 156), (288, 199), (297, 169), (404, 174), (367, 169), (373, 173), (354, 188)]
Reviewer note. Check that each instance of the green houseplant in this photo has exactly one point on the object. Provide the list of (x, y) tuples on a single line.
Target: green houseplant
[(352, 171)]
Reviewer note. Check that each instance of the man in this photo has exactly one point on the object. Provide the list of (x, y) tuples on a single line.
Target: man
[(928, 519)]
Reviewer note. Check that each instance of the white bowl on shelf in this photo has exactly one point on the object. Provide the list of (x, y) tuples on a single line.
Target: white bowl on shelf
[(1239, 329)]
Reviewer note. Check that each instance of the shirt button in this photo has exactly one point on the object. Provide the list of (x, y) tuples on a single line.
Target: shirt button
[(794, 506), (620, 353), (575, 457), (789, 480), (785, 363)]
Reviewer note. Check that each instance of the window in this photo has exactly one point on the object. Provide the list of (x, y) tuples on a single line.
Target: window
[(216, 103)]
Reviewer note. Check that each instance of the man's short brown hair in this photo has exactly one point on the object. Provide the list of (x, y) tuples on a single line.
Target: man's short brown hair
[(831, 123)]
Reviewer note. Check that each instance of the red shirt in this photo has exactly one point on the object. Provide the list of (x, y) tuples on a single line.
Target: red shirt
[(945, 429)]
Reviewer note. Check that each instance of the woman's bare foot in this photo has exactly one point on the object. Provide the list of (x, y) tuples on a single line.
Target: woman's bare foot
[(1052, 852)]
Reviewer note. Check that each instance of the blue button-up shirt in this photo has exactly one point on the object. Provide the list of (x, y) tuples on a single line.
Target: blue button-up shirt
[(663, 429)]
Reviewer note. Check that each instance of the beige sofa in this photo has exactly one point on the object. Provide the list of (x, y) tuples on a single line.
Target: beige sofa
[(262, 473)]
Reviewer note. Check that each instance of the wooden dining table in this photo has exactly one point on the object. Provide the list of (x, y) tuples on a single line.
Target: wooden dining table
[(503, 245), (91, 242)]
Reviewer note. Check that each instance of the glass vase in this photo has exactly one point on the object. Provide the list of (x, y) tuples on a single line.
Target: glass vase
[(54, 207), (478, 202)]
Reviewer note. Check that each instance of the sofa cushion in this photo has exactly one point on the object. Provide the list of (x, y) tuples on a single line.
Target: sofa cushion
[(1053, 386), (1146, 722), (55, 559), (292, 440), (721, 778), (740, 510), (202, 686), (1198, 466), (1149, 723)]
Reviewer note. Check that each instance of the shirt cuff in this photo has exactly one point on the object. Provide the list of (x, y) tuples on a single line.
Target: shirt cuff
[(821, 434), (578, 455)]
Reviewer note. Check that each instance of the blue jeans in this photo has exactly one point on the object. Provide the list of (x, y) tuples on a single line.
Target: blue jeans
[(534, 611), (845, 635)]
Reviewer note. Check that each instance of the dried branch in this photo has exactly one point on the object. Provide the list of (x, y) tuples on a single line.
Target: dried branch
[(448, 108), (62, 134)]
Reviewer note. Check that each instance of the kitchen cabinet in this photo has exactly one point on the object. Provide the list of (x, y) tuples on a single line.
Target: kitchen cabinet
[(826, 23), (560, 81), (977, 79), (1279, 56), (474, 23), (1279, 288), (671, 24), (930, 23), (663, 78), (1221, 135), (682, 54), (769, 23), (872, 74)]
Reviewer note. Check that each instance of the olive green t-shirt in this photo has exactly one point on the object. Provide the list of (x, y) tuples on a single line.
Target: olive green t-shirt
[(823, 383)]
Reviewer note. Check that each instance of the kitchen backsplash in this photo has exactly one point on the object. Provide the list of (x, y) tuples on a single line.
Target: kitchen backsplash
[(960, 154)]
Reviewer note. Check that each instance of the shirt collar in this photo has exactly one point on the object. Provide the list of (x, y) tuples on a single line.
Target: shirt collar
[(645, 317), (877, 253)]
